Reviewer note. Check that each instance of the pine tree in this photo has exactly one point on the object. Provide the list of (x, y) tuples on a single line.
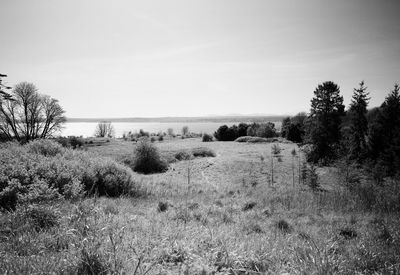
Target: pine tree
[(358, 122), (323, 125), (285, 126), (389, 128)]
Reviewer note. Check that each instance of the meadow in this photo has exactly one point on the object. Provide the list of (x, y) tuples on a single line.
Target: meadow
[(207, 215)]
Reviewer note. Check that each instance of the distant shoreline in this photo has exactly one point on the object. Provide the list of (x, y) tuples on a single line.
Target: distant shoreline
[(221, 119)]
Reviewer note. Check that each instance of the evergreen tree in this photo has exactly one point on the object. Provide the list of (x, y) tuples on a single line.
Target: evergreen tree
[(285, 126), (385, 134), (323, 125), (358, 123)]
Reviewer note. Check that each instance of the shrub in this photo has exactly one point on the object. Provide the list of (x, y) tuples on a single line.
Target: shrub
[(41, 218), (143, 133), (38, 192), (185, 130), (250, 139), (243, 139), (108, 178), (276, 150), (170, 132), (160, 138), (182, 155), (147, 159), (207, 138), (9, 196), (76, 142), (266, 130), (312, 178), (203, 152), (44, 147), (348, 233), (162, 206), (225, 133), (34, 173)]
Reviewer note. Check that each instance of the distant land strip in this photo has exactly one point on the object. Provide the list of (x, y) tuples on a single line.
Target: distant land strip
[(222, 119)]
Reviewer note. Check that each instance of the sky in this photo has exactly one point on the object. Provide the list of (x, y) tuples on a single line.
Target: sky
[(197, 58)]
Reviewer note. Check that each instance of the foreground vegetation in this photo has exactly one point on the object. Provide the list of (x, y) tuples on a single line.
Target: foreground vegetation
[(160, 205), (217, 214)]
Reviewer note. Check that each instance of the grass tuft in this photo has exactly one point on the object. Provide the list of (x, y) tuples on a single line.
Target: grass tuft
[(162, 206), (283, 226), (248, 206)]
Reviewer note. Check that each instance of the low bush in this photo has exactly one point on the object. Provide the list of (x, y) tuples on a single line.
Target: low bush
[(70, 142), (251, 139), (203, 152), (107, 178), (147, 159), (9, 196), (44, 147), (183, 155), (41, 218), (162, 206), (207, 138)]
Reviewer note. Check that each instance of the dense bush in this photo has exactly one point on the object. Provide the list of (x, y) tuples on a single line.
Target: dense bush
[(42, 170), (44, 147), (147, 159), (207, 138), (182, 155), (265, 130), (293, 127), (41, 218), (225, 133)]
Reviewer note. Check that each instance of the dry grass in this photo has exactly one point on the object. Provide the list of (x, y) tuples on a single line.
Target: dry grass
[(203, 229)]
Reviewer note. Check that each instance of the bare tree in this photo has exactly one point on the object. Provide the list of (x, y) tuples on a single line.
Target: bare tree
[(3, 94), (104, 129), (185, 130), (170, 132), (28, 115)]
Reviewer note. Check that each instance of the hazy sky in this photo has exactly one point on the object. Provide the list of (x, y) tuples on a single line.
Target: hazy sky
[(193, 58)]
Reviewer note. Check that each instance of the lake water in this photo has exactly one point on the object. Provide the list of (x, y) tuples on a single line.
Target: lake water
[(87, 129)]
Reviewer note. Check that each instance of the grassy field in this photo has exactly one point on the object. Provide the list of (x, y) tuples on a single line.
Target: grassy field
[(210, 215)]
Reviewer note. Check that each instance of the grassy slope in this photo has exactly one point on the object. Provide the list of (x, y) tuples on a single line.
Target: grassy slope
[(206, 228)]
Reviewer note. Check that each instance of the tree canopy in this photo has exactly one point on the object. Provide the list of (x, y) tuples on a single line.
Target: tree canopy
[(29, 114), (323, 129)]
